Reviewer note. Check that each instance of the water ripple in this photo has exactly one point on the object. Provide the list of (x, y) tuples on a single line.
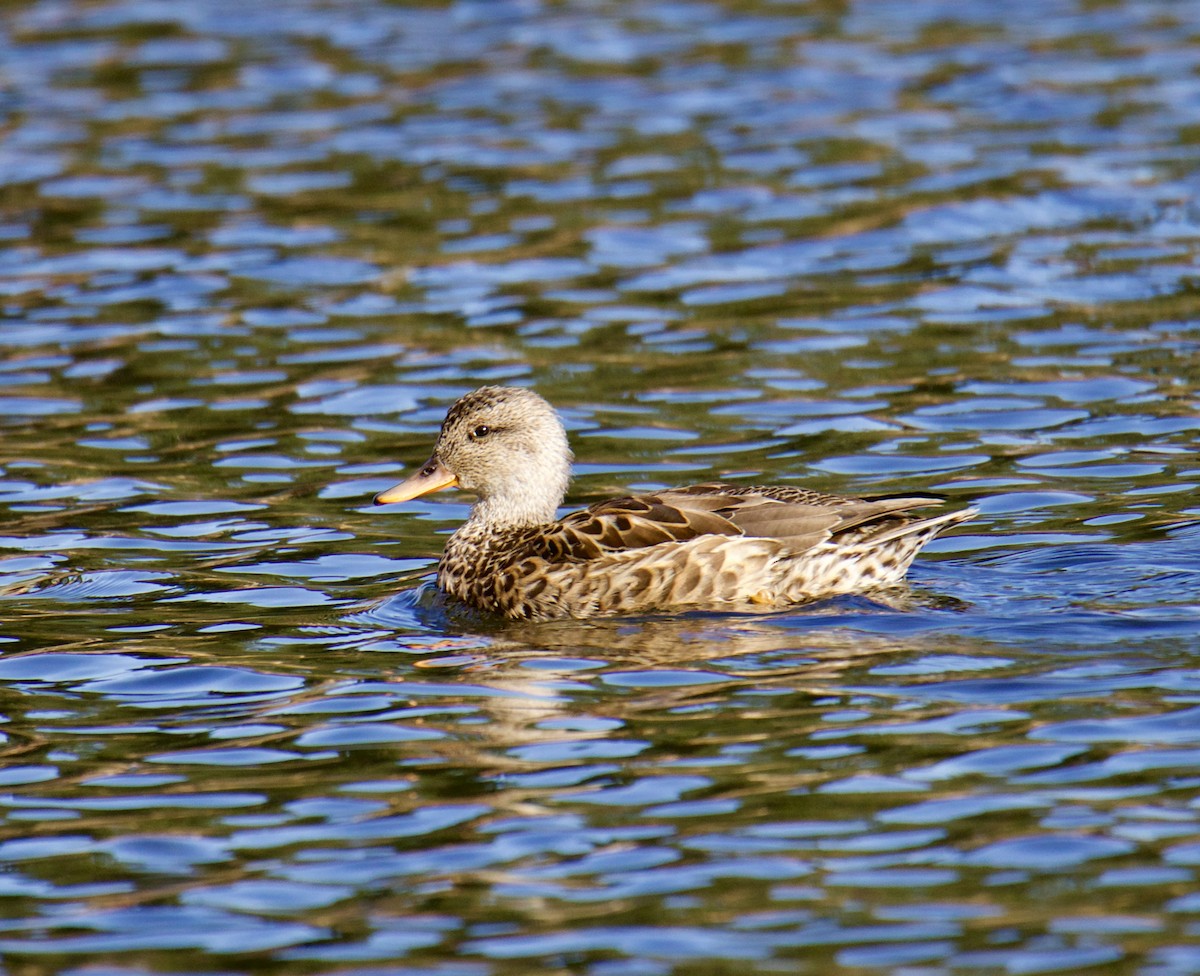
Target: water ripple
[(248, 256)]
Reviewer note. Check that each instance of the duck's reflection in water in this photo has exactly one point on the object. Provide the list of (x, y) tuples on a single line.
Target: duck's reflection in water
[(538, 684)]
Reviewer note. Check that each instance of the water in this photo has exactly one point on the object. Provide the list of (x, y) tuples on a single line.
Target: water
[(248, 255)]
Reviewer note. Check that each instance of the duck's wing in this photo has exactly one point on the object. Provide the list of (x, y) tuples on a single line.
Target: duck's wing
[(795, 517), (638, 522)]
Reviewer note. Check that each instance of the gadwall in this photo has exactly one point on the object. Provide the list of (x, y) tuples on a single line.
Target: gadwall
[(710, 546)]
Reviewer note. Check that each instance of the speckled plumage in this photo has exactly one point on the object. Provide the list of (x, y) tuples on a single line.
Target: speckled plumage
[(702, 546)]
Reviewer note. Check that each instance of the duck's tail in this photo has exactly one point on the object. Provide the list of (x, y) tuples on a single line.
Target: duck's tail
[(925, 529), (866, 560)]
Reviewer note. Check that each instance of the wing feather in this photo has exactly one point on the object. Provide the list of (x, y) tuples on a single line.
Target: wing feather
[(796, 517)]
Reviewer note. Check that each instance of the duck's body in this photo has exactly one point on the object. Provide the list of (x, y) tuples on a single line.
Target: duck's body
[(702, 546)]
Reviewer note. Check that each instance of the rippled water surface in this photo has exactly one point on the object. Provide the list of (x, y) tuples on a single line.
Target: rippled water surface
[(249, 252)]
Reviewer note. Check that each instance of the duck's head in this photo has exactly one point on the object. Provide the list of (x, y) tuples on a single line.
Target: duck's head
[(506, 445)]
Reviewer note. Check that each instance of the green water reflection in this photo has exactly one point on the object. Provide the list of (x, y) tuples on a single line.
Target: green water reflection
[(249, 254)]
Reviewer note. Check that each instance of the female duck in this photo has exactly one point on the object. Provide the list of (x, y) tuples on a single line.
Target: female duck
[(709, 546)]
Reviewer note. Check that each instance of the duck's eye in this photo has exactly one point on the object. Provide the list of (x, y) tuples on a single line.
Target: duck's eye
[(480, 432)]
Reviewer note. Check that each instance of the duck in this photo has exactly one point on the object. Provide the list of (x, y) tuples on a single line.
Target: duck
[(709, 546)]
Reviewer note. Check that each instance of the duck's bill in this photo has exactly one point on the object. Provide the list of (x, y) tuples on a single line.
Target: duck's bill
[(433, 476)]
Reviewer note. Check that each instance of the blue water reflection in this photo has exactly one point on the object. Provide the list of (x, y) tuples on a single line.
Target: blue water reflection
[(248, 255)]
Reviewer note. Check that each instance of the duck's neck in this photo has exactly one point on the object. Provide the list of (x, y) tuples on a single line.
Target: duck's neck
[(498, 513)]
